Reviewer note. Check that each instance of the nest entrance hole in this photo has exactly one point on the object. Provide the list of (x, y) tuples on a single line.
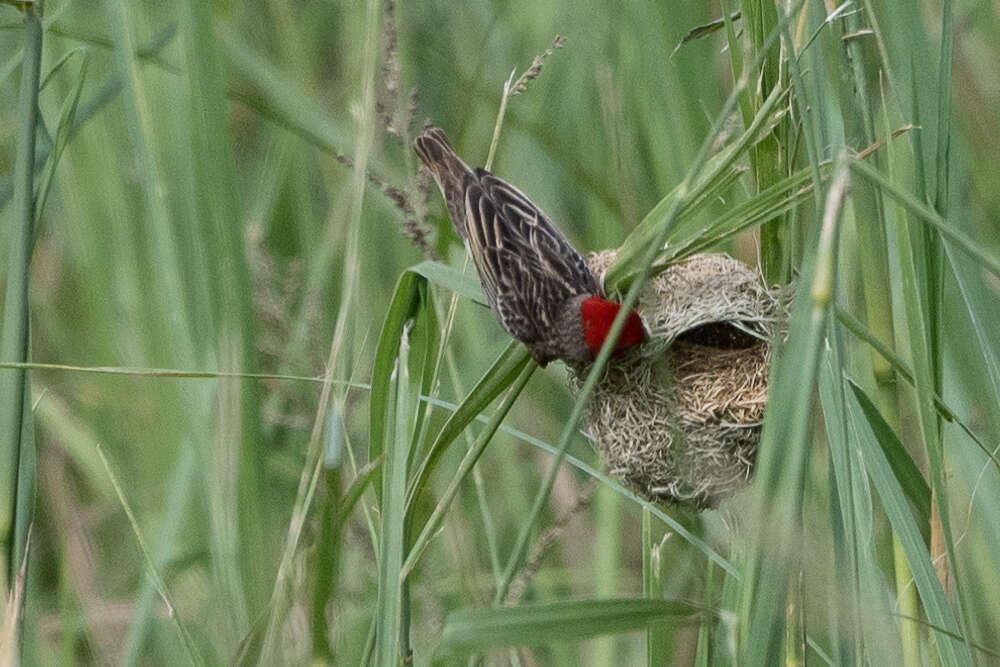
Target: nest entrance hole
[(719, 335)]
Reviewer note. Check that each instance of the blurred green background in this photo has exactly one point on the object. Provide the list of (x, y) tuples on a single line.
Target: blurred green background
[(207, 215)]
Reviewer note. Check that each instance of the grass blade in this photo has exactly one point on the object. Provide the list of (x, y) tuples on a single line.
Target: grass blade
[(67, 119), (987, 258), (392, 533), (911, 481), (495, 380), (405, 300), (15, 517), (451, 279), (542, 624), (939, 612), (465, 467), (716, 175), (783, 453), (153, 571)]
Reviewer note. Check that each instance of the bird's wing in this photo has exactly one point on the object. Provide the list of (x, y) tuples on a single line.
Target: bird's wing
[(527, 267)]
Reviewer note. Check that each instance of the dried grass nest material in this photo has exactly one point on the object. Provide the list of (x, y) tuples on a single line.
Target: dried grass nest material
[(679, 418)]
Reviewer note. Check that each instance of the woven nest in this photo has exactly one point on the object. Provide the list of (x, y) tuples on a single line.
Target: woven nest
[(679, 417)]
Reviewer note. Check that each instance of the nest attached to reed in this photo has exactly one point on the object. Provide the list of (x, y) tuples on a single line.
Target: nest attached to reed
[(679, 417)]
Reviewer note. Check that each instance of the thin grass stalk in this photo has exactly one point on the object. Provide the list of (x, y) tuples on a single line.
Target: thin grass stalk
[(326, 563), (313, 459), (880, 317), (704, 656), (107, 92), (903, 370), (942, 156), (811, 128), (484, 509), (162, 243), (219, 259), (912, 204), (14, 515), (468, 461), (942, 551), (154, 574), (165, 547), (849, 553)]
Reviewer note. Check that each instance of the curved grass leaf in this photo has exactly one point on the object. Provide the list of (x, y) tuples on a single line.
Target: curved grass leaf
[(852, 324), (405, 300), (465, 467), (910, 479), (870, 438), (777, 199), (655, 510), (497, 377), (389, 605), (451, 279), (64, 129), (986, 257), (719, 172), (16, 452), (471, 630)]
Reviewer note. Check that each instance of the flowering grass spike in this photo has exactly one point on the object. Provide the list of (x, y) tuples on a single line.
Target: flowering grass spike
[(536, 282)]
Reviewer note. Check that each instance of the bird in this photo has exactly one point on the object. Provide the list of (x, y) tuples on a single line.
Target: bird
[(536, 282)]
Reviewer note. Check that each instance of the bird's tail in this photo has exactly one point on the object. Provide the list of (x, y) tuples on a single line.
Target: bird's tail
[(449, 171)]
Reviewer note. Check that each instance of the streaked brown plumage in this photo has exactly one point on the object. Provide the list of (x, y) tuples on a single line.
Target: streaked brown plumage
[(536, 282)]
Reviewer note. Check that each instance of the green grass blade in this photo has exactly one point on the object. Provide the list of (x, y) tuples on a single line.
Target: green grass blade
[(432, 524), (939, 611), (852, 508), (67, 118), (451, 279), (392, 532), (662, 220), (107, 92), (784, 447), (903, 370), (14, 515), (495, 380), (988, 258), (405, 301), (911, 481), (166, 540), (468, 631), (942, 154), (776, 200), (277, 96), (657, 648), (173, 311), (920, 279), (222, 273), (606, 481), (980, 305), (153, 571)]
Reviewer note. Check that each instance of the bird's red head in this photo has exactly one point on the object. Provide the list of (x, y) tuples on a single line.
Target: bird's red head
[(597, 315)]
